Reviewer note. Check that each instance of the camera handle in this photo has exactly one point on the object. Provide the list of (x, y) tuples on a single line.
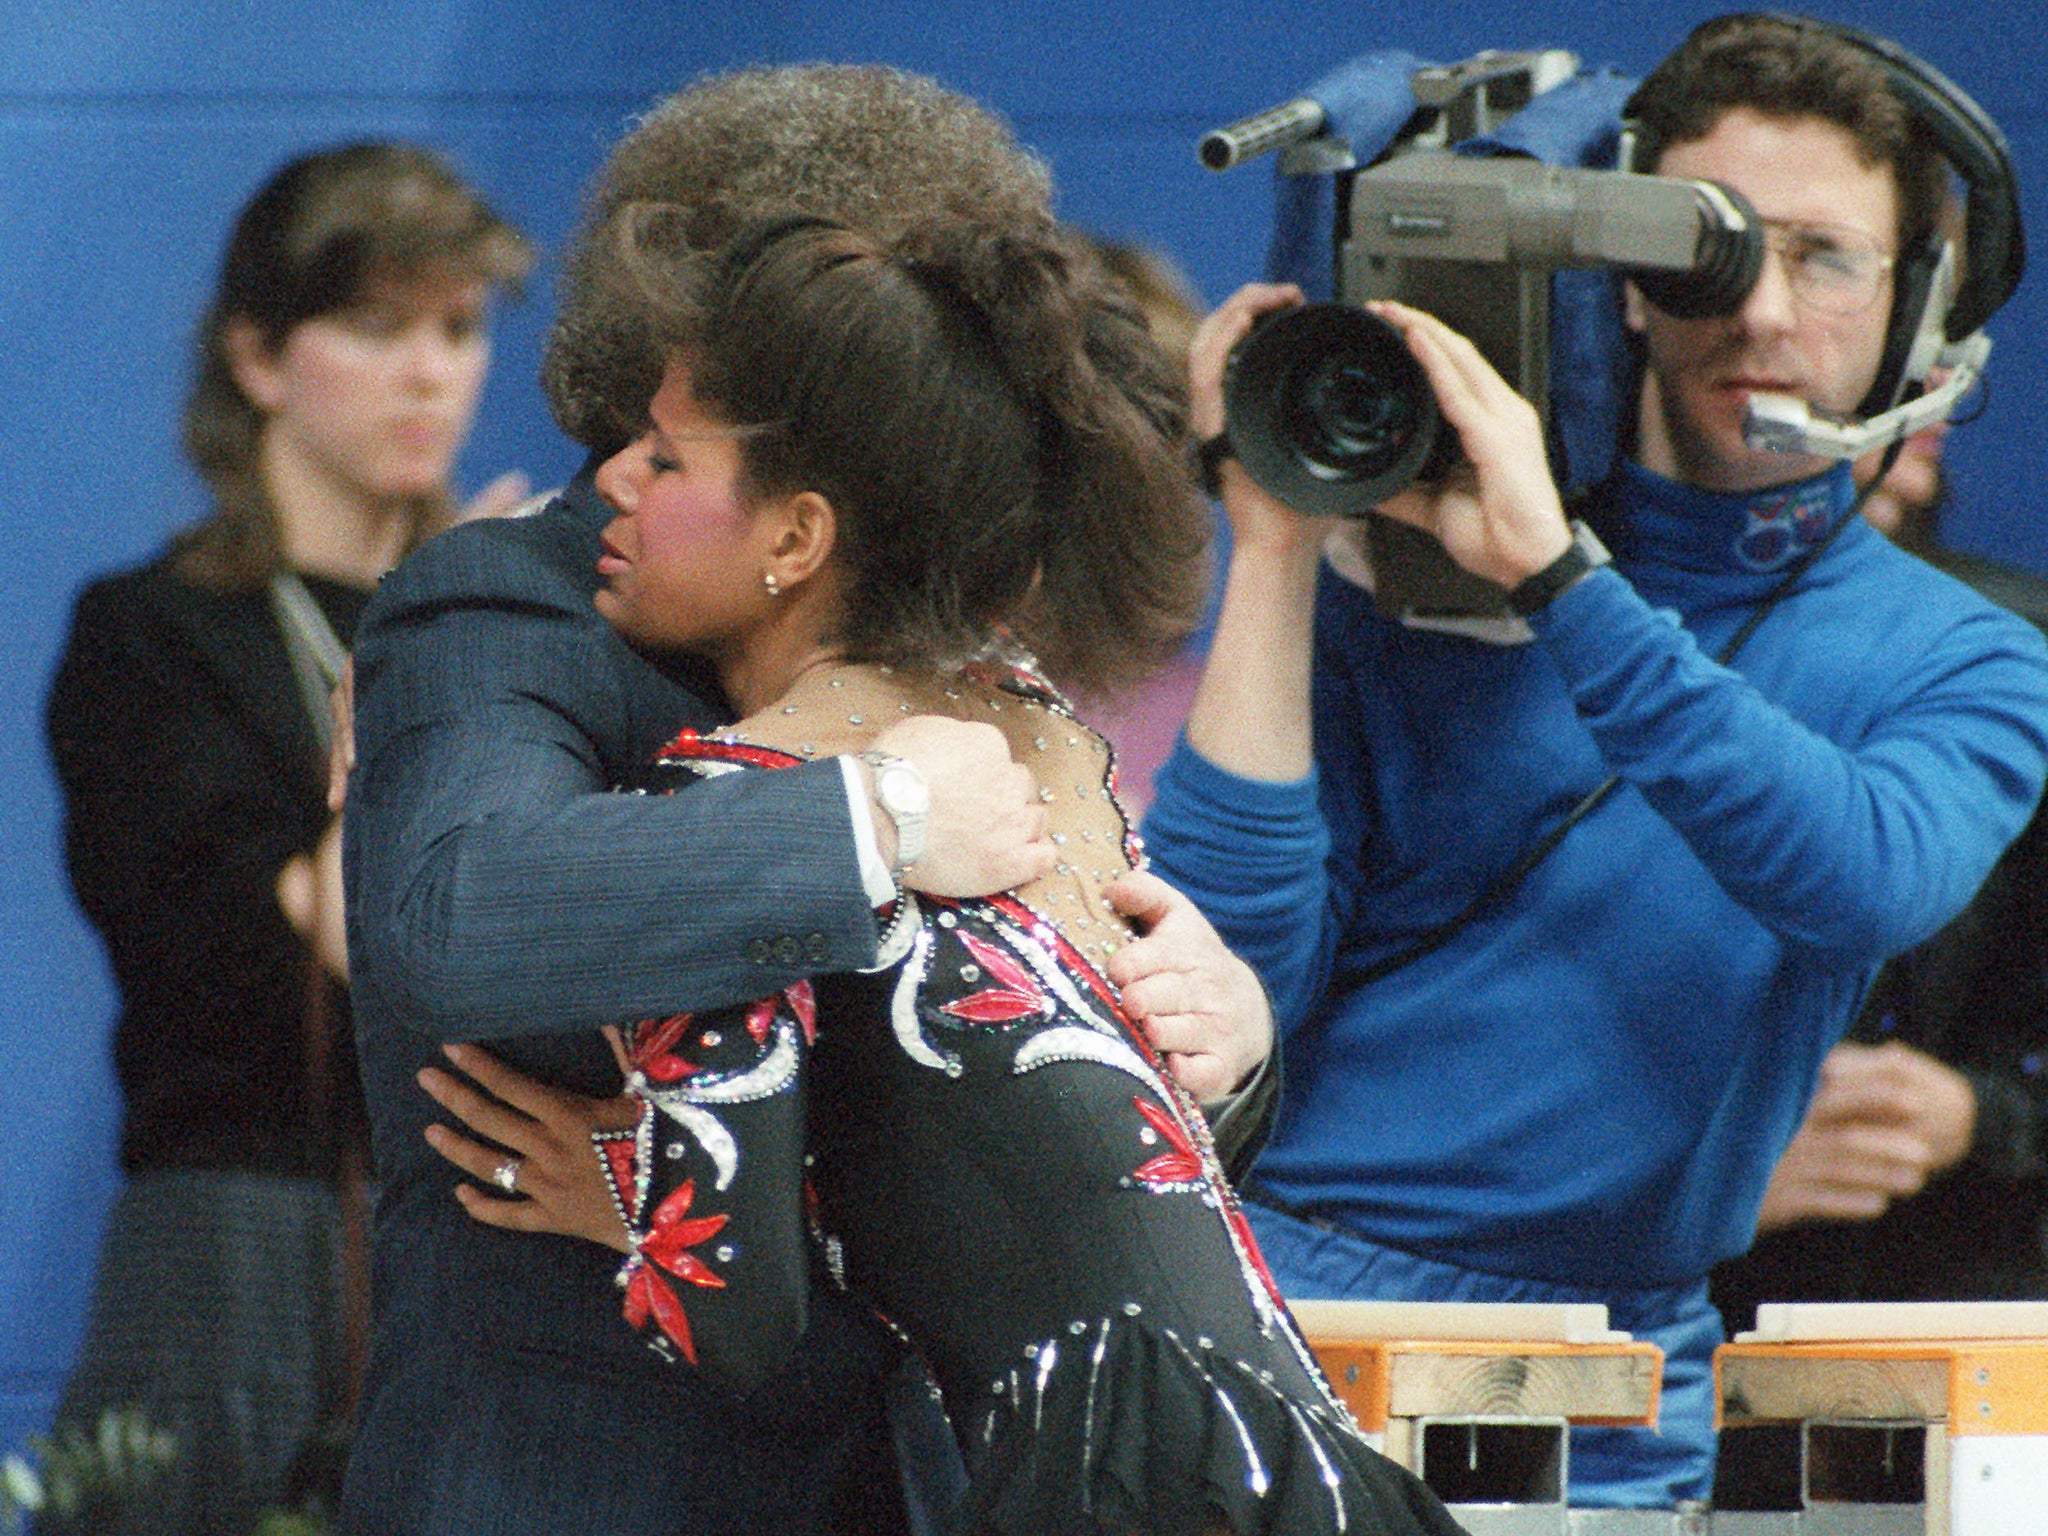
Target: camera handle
[(1497, 890)]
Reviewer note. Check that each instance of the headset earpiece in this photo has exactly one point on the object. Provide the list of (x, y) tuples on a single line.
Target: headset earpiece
[(1994, 243), (1932, 302), (1921, 287)]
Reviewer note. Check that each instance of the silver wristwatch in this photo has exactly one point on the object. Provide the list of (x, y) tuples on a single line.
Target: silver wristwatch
[(907, 799)]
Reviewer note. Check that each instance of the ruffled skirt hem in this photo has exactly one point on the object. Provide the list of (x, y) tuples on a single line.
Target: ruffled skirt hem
[(1121, 1429)]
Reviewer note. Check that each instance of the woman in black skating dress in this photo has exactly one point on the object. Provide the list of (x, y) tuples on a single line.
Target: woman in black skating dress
[(843, 492)]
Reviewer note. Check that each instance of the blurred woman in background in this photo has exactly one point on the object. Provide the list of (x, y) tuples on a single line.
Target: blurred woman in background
[(338, 370)]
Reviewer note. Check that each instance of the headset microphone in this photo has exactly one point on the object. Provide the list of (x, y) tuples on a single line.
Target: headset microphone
[(1786, 424)]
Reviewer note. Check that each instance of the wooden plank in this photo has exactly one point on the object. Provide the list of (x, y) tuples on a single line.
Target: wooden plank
[(1763, 1383), (1978, 1387), (1516, 1321), (1358, 1375), (1585, 1383), (1608, 1387), (1999, 1389), (1816, 1321), (1936, 1484), (1402, 1445)]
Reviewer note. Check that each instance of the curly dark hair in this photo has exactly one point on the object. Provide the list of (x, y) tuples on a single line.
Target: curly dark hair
[(986, 411), (1786, 67), (867, 146), (322, 228)]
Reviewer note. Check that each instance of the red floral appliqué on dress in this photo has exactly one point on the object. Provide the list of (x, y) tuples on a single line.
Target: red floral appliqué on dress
[(1181, 1164), (803, 1007), (654, 1053), (668, 1244), (1017, 994)]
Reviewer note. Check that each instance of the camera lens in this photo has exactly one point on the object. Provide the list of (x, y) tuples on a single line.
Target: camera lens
[(1327, 410), (1345, 419)]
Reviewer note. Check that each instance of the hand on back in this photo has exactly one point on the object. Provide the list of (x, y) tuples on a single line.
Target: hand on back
[(986, 830)]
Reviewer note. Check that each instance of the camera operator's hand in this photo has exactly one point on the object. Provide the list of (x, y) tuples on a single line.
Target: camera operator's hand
[(1499, 515), (1250, 714), (1255, 517)]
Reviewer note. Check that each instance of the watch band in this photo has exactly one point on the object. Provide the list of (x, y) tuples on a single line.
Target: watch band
[(1584, 554), (903, 795)]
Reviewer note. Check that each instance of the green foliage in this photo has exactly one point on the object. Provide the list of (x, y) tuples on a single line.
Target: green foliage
[(76, 1481), (80, 1484)]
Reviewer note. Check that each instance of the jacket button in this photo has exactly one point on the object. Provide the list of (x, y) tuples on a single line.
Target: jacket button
[(787, 950), (759, 952), (816, 947)]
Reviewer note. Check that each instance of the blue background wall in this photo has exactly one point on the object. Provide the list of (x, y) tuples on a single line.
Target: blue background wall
[(131, 131)]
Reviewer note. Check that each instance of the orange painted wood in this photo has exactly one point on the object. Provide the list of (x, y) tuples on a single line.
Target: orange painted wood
[(1383, 1379)]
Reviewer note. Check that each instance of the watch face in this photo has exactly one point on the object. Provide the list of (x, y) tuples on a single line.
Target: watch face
[(903, 790)]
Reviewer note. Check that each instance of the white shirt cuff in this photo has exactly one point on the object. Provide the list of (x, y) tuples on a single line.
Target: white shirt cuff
[(875, 878)]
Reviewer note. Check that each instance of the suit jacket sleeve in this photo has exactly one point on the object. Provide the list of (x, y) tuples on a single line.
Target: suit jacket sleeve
[(496, 884), (1242, 1123)]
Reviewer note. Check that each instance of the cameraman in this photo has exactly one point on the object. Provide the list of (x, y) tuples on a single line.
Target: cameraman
[(1575, 1090)]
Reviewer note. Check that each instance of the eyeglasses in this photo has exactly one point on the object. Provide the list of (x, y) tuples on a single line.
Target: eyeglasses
[(1832, 268)]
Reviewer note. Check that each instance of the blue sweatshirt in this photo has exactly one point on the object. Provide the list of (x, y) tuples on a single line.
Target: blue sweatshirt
[(1591, 1084)]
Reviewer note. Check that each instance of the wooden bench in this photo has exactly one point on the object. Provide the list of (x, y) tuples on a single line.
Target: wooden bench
[(1475, 1398), (1887, 1419)]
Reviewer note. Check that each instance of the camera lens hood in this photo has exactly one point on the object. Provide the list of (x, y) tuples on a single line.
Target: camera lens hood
[(1329, 412)]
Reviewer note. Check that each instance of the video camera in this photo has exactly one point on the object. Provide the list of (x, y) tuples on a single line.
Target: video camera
[(1324, 406)]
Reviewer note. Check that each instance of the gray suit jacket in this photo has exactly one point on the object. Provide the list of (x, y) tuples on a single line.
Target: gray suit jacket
[(498, 891)]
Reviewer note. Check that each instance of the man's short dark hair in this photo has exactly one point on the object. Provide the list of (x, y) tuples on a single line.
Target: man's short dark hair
[(862, 145), (1785, 67)]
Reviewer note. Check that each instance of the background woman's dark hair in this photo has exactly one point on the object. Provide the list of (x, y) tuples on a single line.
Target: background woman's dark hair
[(307, 244), (985, 410), (1784, 67)]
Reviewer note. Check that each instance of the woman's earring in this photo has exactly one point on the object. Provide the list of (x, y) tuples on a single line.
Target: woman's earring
[(774, 587)]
